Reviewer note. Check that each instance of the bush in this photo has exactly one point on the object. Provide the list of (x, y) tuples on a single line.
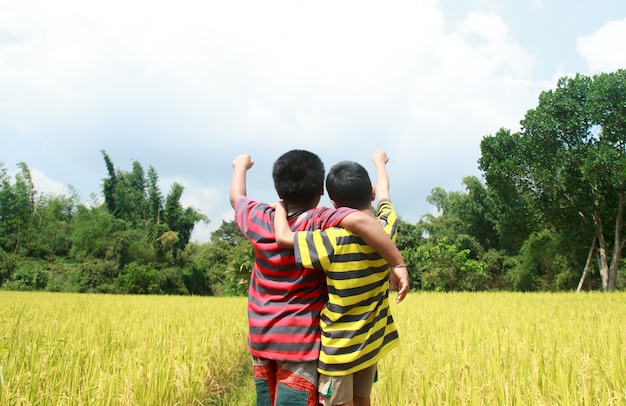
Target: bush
[(28, 276), (140, 279)]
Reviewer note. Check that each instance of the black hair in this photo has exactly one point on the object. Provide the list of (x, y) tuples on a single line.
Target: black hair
[(298, 176), (348, 185)]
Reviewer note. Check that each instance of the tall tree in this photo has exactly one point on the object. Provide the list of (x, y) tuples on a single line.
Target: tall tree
[(468, 220), (155, 197), (569, 161), (125, 193), (505, 172), (109, 184), (17, 208), (180, 220)]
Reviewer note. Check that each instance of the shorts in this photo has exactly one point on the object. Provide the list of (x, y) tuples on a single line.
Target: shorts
[(335, 390), (285, 383)]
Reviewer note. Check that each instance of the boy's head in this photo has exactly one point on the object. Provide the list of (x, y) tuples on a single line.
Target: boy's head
[(348, 185), (299, 177)]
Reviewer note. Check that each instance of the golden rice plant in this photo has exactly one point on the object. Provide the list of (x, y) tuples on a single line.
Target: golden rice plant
[(507, 349), (78, 349), (455, 349)]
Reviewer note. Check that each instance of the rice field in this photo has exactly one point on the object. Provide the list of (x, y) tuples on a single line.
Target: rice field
[(73, 349), (456, 349), (507, 349)]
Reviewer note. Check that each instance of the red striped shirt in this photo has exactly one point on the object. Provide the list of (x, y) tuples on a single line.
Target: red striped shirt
[(284, 301)]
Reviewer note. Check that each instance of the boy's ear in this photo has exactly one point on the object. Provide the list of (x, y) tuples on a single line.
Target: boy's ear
[(334, 204), (373, 193)]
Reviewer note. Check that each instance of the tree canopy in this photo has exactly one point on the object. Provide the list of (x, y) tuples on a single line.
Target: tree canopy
[(566, 168)]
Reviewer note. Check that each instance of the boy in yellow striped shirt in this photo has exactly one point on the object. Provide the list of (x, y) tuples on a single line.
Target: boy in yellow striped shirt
[(356, 323)]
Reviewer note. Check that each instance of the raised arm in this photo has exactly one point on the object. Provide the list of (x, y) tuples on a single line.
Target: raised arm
[(399, 276), (241, 164), (380, 159)]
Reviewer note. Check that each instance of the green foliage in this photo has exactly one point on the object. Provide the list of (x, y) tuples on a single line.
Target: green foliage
[(408, 235), (231, 256), (29, 275), (17, 206), (541, 266), (62, 276), (94, 233), (129, 196), (497, 265), (408, 238), (445, 268), (8, 265), (504, 172), (467, 220), (566, 170), (140, 280), (180, 220), (97, 276)]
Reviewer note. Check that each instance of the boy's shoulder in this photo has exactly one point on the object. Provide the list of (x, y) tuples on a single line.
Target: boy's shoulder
[(247, 208), (245, 201)]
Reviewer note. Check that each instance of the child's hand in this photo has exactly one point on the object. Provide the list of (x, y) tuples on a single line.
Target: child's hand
[(380, 157), (284, 236), (279, 206), (243, 161), (399, 280)]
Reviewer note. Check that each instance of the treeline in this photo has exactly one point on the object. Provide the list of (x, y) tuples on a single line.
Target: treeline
[(136, 241), (548, 216)]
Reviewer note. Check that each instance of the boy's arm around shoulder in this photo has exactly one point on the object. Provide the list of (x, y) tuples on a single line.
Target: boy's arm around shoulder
[(284, 235), (370, 231), (368, 228), (241, 164)]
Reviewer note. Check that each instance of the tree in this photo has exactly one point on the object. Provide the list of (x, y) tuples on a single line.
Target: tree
[(155, 206), (17, 208), (230, 259), (138, 279), (467, 220), (52, 226), (131, 197), (180, 220), (125, 192), (541, 265), (569, 163), (445, 268), (504, 173)]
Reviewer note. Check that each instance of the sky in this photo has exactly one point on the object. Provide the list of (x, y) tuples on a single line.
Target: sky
[(187, 86)]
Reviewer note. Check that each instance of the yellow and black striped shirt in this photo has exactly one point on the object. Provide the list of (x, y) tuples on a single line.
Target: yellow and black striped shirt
[(356, 323)]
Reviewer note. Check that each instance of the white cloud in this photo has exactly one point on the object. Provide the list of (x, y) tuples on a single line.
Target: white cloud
[(45, 185), (604, 49), (185, 87)]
